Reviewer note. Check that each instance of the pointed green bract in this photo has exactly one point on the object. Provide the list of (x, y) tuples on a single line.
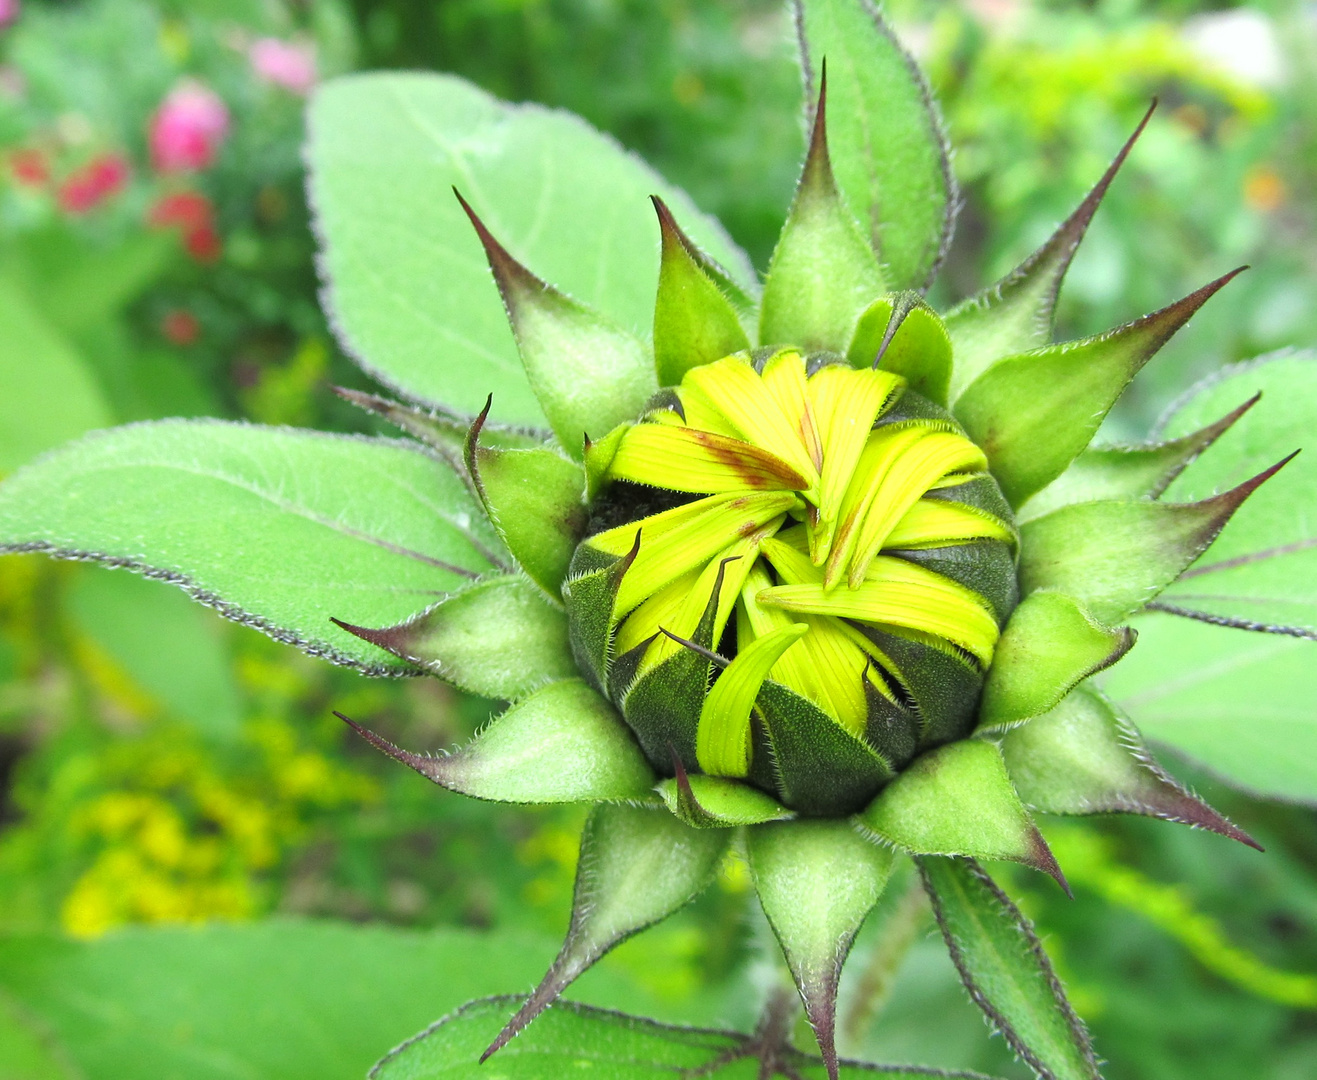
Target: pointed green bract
[(889, 152), (1033, 414), (1129, 472), (694, 323), (534, 499), (278, 529), (637, 866), (958, 800), (817, 880), (916, 347), (823, 273), (1016, 314), (498, 638), (409, 296), (587, 373), (1085, 758), (1049, 646), (712, 802), (563, 743), (440, 431), (1006, 971), (1114, 556)]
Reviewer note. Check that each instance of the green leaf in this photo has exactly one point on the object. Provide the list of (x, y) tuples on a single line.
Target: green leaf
[(1006, 971), (817, 881), (958, 800), (535, 500), (1084, 758), (564, 743), (906, 336), (407, 282), (170, 648), (1238, 703), (576, 1040), (1016, 314), (1034, 413), (713, 802), (498, 638), (823, 272), (1129, 472), (297, 1000), (637, 866), (275, 528), (587, 372), (889, 151), (1262, 569), (694, 323), (1114, 556), (1050, 645), (48, 394)]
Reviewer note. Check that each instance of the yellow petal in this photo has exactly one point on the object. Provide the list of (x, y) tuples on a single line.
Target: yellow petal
[(936, 522), (754, 412), (904, 483), (899, 593), (845, 402), (684, 459), (784, 376), (722, 740)]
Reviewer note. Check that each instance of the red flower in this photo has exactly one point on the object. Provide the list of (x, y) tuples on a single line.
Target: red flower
[(180, 326), (187, 129), (86, 188), (194, 216), (29, 167)]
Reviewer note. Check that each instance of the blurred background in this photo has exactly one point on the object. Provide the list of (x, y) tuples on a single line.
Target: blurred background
[(202, 875)]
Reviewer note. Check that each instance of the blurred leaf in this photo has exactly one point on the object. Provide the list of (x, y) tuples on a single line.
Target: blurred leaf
[(78, 283), (885, 138), (47, 393), (407, 281), (292, 1000), (1239, 702), (275, 528), (26, 1052), (571, 1040), (167, 644)]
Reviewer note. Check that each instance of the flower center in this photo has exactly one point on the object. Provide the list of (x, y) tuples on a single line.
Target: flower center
[(809, 497)]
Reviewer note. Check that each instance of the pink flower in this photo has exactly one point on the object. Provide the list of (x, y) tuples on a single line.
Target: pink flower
[(88, 187), (289, 64), (8, 12), (187, 128)]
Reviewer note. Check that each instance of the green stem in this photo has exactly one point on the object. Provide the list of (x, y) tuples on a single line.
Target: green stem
[(899, 930)]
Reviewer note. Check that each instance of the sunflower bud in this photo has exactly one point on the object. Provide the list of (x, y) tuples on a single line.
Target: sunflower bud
[(795, 576)]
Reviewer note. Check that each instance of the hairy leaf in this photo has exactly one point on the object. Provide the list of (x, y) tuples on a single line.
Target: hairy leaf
[(408, 287), (1085, 758), (563, 743), (638, 865), (1034, 413), (1005, 970), (1236, 702), (278, 529), (889, 152), (498, 638), (571, 1040), (1262, 569), (1049, 646), (817, 881), (903, 334), (824, 272), (958, 800)]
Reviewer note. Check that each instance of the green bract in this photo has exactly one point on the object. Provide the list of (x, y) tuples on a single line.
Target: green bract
[(806, 570)]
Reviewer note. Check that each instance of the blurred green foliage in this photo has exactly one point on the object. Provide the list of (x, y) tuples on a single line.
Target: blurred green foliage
[(159, 766)]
